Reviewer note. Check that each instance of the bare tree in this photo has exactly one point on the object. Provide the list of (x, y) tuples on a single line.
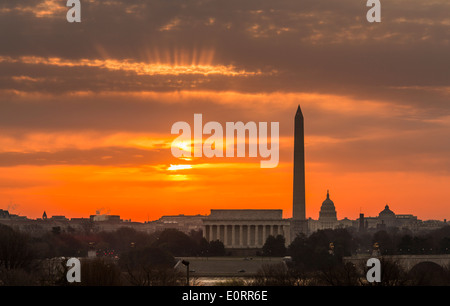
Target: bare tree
[(15, 252), (277, 275), (339, 275)]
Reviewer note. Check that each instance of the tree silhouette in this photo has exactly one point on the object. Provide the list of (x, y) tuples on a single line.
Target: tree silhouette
[(149, 266), (15, 252), (274, 246), (216, 248), (176, 242)]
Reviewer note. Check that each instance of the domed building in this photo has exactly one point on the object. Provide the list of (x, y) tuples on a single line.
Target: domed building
[(387, 217), (327, 217), (327, 210)]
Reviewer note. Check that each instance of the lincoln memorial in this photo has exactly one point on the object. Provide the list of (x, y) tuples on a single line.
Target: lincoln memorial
[(245, 228), (249, 228)]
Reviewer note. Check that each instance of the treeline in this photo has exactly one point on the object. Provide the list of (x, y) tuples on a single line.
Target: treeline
[(317, 259), (125, 256), (112, 244), (347, 242), (398, 242), (130, 257)]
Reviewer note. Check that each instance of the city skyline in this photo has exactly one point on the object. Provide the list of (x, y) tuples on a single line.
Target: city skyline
[(86, 108), (106, 213)]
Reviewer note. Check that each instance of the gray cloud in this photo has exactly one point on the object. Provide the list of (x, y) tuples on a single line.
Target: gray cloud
[(310, 46), (316, 45)]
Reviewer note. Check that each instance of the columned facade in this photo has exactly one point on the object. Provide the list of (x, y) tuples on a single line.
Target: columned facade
[(249, 228), (245, 228)]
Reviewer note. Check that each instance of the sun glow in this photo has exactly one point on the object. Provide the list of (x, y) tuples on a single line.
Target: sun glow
[(179, 167), (185, 146), (140, 68)]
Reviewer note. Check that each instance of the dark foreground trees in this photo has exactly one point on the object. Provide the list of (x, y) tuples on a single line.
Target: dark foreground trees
[(130, 257), (319, 257), (149, 266), (15, 251), (274, 246)]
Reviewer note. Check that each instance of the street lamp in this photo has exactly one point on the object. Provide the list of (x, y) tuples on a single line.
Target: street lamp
[(331, 248), (186, 263)]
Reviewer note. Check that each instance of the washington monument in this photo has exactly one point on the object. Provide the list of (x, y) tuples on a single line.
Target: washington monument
[(298, 210), (298, 207)]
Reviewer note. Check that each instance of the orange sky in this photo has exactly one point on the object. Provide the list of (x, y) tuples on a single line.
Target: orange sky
[(142, 192), (142, 187), (86, 109)]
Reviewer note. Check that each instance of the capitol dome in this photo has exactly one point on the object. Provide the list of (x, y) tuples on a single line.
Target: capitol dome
[(327, 210)]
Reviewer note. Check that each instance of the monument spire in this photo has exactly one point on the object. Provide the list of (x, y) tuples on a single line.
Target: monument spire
[(299, 112), (298, 211)]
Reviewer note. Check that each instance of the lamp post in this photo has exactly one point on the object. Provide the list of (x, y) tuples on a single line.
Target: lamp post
[(186, 263), (331, 248), (376, 249)]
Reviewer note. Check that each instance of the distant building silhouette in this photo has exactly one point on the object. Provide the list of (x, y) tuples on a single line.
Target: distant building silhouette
[(298, 222), (328, 217), (327, 210), (387, 217), (362, 224), (4, 214)]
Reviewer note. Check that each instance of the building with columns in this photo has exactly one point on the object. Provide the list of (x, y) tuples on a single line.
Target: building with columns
[(249, 228), (245, 228)]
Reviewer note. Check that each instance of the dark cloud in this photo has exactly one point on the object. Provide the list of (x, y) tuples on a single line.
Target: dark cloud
[(315, 45), (311, 46)]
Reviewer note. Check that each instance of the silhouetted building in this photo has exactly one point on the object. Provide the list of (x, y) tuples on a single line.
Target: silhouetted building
[(361, 223), (183, 223), (387, 217), (298, 222), (328, 218), (245, 228), (59, 218), (105, 217), (4, 214), (327, 211)]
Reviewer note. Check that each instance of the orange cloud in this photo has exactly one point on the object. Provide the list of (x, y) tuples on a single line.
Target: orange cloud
[(175, 67)]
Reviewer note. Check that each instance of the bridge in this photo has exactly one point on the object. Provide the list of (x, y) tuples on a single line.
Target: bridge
[(407, 262)]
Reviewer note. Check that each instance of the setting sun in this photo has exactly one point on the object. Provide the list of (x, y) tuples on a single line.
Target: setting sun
[(179, 167)]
